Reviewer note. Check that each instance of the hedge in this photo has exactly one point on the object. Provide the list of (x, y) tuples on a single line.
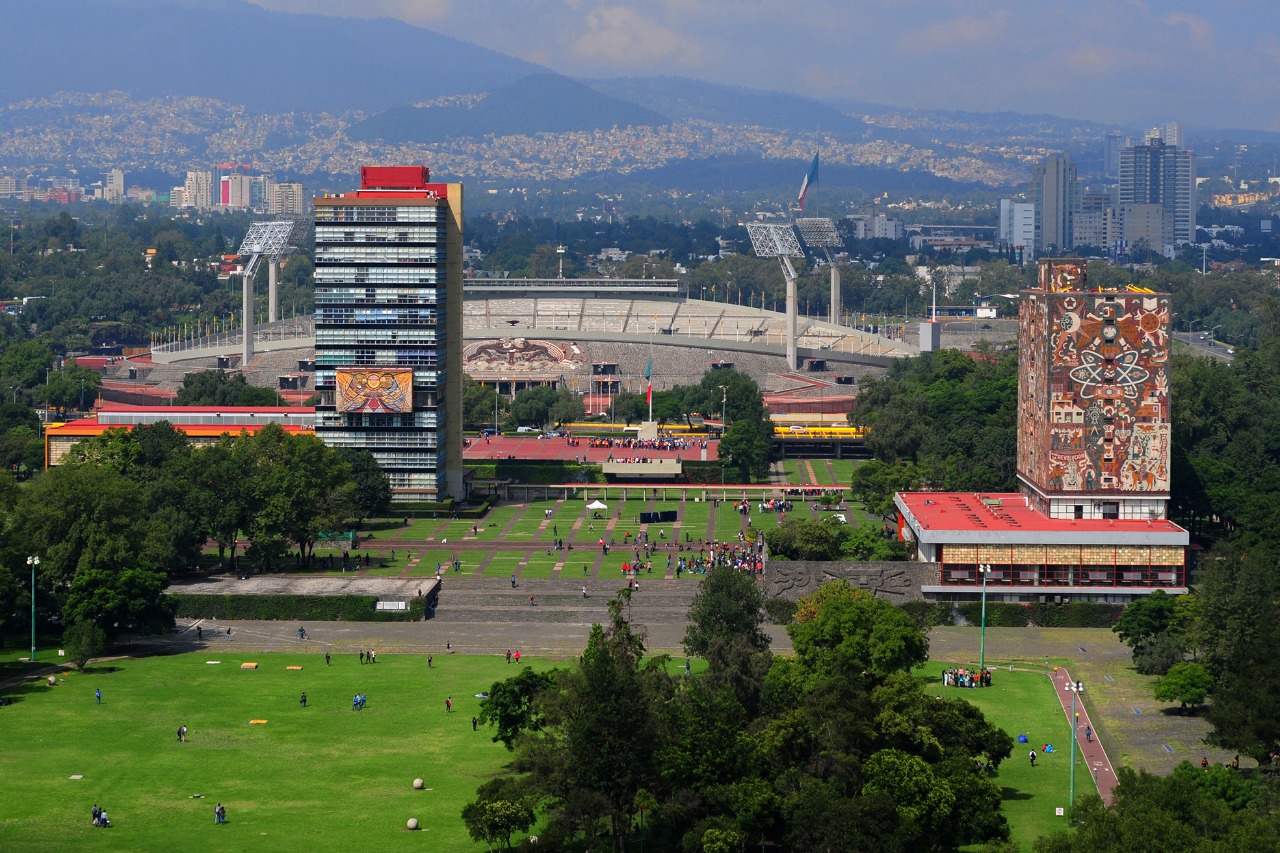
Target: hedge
[(780, 610), (536, 472), (313, 608), (1077, 614), (930, 614)]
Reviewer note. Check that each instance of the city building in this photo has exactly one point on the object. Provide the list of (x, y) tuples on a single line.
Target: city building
[(197, 190), (875, 226), (1089, 521), (202, 425), (1097, 223), (1112, 143), (113, 191), (1157, 173), (388, 275), (235, 191), (1055, 191), (1018, 225), (286, 199)]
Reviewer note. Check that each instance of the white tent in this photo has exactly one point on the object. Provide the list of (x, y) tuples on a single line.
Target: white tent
[(596, 504)]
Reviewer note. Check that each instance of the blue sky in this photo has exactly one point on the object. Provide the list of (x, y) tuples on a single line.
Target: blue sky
[(1208, 64)]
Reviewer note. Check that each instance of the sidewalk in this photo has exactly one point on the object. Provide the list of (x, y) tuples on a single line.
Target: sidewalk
[(1095, 761)]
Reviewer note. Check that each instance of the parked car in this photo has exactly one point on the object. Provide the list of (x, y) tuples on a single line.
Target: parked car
[(527, 429)]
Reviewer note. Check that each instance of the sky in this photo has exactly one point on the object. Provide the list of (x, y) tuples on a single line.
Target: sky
[(1208, 64)]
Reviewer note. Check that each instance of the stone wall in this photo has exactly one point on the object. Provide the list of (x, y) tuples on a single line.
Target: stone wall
[(892, 581)]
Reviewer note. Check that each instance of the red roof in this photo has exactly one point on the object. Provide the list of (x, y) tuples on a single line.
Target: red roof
[(1010, 512), (207, 410)]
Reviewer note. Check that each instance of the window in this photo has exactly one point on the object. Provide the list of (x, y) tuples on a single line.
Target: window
[(1110, 509)]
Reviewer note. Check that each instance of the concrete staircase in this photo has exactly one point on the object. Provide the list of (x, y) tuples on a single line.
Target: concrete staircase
[(559, 600)]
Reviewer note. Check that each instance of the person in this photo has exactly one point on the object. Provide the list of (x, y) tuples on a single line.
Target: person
[(303, 700), (326, 659), (508, 656), (531, 604), (373, 656), (228, 632), (103, 820), (584, 569), (448, 705), (474, 723), (686, 666), (517, 656), (1204, 762), (429, 659), (97, 814), (448, 647), (1088, 733), (302, 633), (219, 813), (199, 633), (98, 695), (1033, 758), (513, 581), (362, 656), (182, 734), (584, 592)]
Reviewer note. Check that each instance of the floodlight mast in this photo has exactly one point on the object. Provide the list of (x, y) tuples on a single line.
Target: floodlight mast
[(773, 240), (265, 239), (820, 233)]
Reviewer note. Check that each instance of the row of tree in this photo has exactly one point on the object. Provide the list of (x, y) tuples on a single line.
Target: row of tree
[(130, 508), (837, 748)]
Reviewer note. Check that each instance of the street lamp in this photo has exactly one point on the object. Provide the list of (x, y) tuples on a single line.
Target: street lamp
[(984, 570), (1076, 689), (33, 562)]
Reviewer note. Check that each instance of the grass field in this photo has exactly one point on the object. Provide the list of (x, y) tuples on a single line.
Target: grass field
[(320, 778), (1025, 703)]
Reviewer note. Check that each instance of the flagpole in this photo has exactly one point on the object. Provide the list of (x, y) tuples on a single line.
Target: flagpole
[(649, 375)]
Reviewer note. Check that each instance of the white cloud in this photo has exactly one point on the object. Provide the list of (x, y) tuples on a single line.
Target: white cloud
[(622, 37)]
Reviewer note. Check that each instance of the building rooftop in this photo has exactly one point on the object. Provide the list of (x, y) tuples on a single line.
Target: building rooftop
[(1007, 517)]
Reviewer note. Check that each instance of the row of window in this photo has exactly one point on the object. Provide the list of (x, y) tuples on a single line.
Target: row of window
[(348, 358), (419, 461), (414, 234), (415, 480), (370, 440), (1068, 576), (374, 337), (378, 275), (434, 214), (383, 314), (382, 254)]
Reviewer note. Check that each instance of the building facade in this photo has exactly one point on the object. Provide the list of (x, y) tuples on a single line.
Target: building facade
[(1093, 460), (1157, 173), (1018, 225), (388, 274), (1055, 191)]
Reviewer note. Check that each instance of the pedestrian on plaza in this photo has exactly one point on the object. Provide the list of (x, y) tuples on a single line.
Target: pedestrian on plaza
[(373, 656), (517, 656), (1088, 734), (474, 724), (219, 813), (362, 656), (303, 700), (513, 580), (98, 695), (182, 734), (429, 659), (448, 705), (1033, 758), (531, 604), (508, 655), (326, 659), (584, 593)]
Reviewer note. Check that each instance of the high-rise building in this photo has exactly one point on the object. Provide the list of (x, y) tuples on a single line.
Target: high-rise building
[(197, 190), (1156, 173), (1096, 224), (1111, 145), (286, 199), (1055, 191), (235, 191), (113, 192), (388, 273), (1018, 225)]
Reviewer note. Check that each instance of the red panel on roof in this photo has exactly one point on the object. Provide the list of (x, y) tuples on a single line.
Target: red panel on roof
[(1007, 512), (394, 177)]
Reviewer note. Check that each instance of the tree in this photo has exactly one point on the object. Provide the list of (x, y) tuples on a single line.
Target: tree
[(83, 641), (875, 483), (131, 600), (372, 494), (532, 406), (479, 403), (728, 606), (497, 811), (630, 408), (848, 632), (1144, 618), (512, 705), (217, 388), (1188, 683), (567, 408)]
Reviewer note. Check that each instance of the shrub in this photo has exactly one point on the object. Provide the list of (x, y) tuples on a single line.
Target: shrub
[(780, 610), (84, 640), (314, 608), (1000, 614), (930, 614)]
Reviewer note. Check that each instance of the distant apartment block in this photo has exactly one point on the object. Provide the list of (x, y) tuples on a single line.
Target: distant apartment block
[(875, 226), (1097, 225), (197, 190), (1160, 174), (1018, 225), (286, 199), (113, 189), (1055, 191)]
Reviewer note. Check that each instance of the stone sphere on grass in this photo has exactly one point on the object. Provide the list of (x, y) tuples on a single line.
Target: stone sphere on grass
[(413, 823), (417, 784)]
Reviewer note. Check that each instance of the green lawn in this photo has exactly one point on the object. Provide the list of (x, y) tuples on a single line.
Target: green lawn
[(1025, 703), (320, 778)]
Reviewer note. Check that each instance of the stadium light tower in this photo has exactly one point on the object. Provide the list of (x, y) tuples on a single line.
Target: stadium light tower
[(265, 239), (821, 234), (775, 240)]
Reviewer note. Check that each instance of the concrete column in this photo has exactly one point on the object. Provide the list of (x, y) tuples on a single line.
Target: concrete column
[(793, 309), (835, 294), (247, 307), (273, 273)]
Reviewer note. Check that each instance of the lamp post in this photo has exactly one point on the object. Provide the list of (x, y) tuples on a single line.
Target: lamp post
[(984, 570), (1076, 689), (33, 562)]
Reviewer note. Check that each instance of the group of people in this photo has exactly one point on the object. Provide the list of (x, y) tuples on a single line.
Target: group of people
[(644, 443), (368, 657), (358, 701), (100, 817), (958, 676)]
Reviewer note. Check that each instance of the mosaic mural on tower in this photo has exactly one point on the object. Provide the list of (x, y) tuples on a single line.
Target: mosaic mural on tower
[(363, 390), (1093, 407)]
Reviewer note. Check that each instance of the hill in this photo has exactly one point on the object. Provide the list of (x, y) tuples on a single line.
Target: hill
[(238, 53), (541, 103)]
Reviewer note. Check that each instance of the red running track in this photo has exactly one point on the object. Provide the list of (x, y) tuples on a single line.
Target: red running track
[(1096, 762)]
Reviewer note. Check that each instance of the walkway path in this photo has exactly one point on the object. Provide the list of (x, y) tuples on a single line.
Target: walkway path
[(1095, 758)]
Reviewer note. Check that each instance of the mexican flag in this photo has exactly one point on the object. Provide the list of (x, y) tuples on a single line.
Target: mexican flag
[(648, 381)]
